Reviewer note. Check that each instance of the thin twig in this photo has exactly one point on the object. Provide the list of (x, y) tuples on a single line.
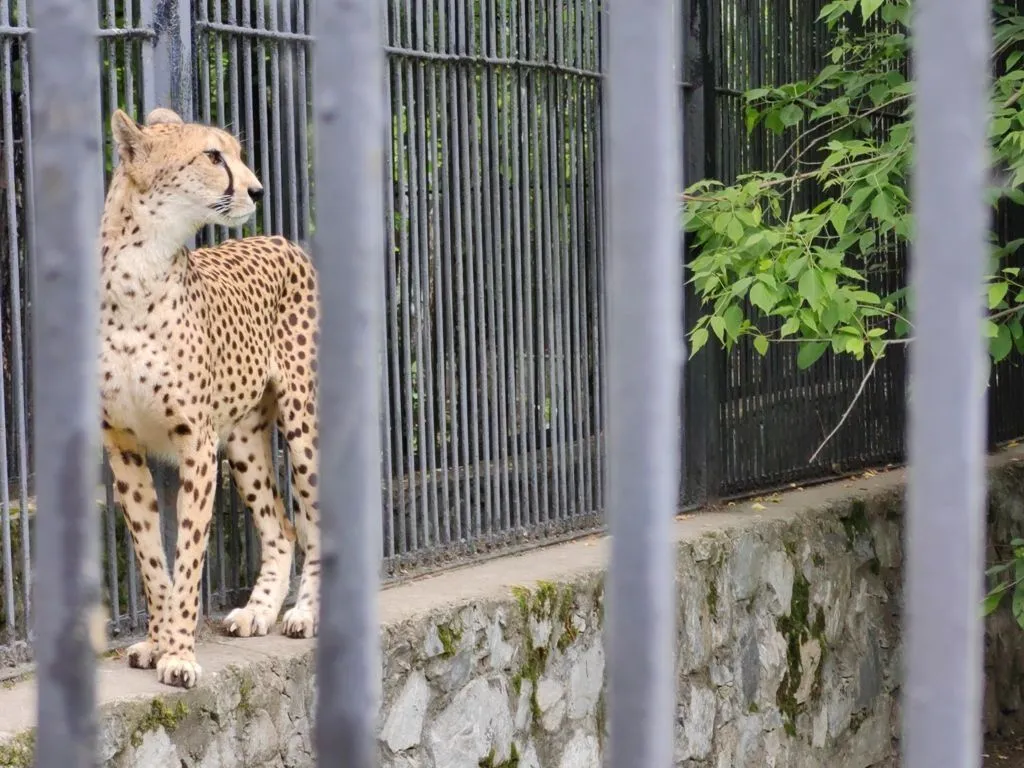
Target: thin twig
[(846, 415)]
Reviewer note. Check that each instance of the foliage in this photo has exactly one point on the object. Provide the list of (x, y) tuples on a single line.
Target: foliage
[(799, 253), (1012, 585)]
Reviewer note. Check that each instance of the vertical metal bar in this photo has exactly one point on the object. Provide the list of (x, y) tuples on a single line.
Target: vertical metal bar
[(393, 497), (520, 246), (269, 210), (276, 176), (404, 106), (598, 282), (449, 167), (173, 56), (67, 155), (288, 116), (110, 545), (10, 237), (393, 267), (538, 320), (644, 361), (526, 335), (945, 517), (19, 288), (440, 369), (303, 117), (494, 464), (348, 119), (469, 512)]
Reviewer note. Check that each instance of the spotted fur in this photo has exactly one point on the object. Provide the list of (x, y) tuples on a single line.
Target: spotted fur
[(203, 350)]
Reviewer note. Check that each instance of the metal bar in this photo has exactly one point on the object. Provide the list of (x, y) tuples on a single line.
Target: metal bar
[(449, 221), (946, 446), (425, 365), (11, 242), (67, 155), (261, 32), (17, 257), (439, 219), (392, 545), (462, 213), (644, 360), (173, 57), (348, 120), (276, 187), (403, 373)]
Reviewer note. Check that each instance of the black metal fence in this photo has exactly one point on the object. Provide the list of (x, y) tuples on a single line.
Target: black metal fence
[(493, 371)]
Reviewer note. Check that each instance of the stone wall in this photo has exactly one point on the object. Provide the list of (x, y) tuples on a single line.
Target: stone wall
[(1004, 638), (788, 655)]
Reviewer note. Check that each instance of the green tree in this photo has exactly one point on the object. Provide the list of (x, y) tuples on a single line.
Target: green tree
[(791, 254), (806, 269)]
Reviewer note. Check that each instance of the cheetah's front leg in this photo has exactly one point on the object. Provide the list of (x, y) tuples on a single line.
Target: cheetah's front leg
[(198, 471), (133, 484)]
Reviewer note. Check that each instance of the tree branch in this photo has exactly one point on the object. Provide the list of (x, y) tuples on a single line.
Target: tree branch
[(849, 409)]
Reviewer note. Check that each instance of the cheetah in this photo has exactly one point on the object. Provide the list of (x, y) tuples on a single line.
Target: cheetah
[(204, 350)]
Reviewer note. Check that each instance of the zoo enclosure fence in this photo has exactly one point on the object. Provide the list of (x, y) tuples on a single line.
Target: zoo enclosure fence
[(494, 373)]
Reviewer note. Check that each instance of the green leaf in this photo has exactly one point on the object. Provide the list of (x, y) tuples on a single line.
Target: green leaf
[(791, 114), (996, 293), (838, 215), (752, 117), (1002, 344), (810, 287), (698, 340), (735, 230), (733, 321), (855, 346), (991, 602), (762, 298), (761, 345), (809, 353), (881, 207), (995, 570), (868, 8), (1018, 604), (790, 327), (718, 326)]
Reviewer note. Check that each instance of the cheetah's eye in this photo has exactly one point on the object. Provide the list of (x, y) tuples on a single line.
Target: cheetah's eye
[(215, 157)]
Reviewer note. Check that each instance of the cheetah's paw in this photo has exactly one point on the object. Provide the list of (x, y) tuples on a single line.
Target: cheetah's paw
[(143, 655), (248, 622), (300, 622), (178, 670)]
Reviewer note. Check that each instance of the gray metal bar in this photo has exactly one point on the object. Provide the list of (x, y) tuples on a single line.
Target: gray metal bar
[(348, 122), (390, 394), (11, 242), (442, 501), (645, 357), (203, 25), (172, 24), (68, 157), (946, 484), (17, 253)]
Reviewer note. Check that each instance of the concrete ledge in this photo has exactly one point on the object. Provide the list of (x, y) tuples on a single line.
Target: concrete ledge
[(788, 641)]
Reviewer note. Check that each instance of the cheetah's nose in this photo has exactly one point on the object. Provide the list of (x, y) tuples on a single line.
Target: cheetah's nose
[(256, 193)]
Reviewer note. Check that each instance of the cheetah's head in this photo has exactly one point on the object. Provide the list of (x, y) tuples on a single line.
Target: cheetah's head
[(192, 172)]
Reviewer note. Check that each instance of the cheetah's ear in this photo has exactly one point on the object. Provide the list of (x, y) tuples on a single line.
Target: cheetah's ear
[(128, 136), (162, 115)]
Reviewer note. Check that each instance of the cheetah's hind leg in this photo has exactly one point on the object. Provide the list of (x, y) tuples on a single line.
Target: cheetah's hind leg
[(297, 422), (249, 454)]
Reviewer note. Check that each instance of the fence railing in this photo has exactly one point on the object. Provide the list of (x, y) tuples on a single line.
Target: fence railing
[(492, 385), (494, 372), (942, 692)]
